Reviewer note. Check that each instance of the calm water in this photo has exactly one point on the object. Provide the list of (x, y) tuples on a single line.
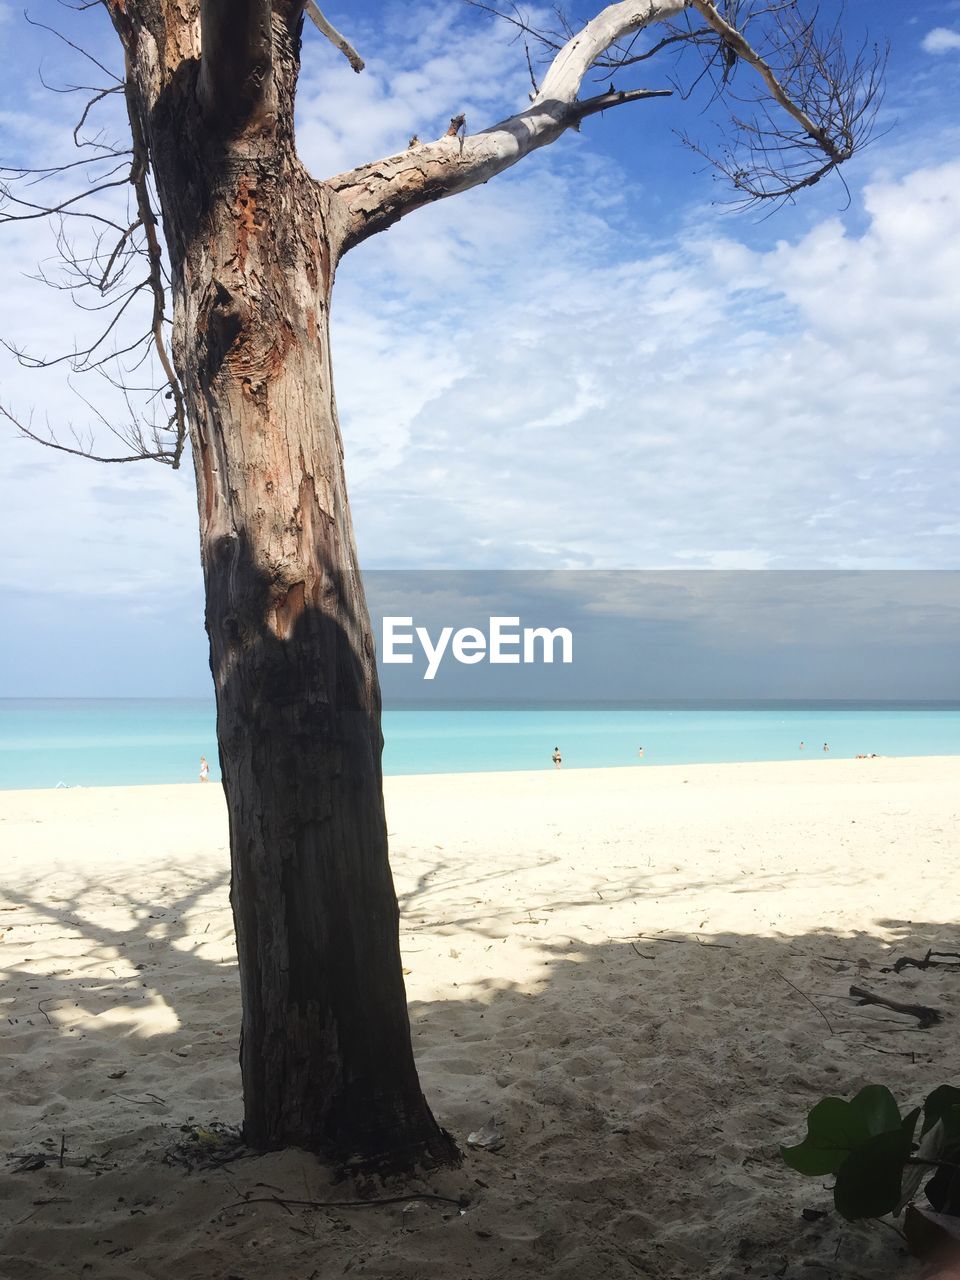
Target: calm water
[(93, 742)]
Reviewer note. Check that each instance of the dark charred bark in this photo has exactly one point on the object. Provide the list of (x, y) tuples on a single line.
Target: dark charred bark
[(326, 1052)]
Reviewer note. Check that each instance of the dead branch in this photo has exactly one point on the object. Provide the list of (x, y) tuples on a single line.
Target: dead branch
[(831, 96), (139, 453), (619, 55), (809, 115), (326, 28), (925, 1016), (951, 960), (427, 1196), (653, 937), (615, 98), (148, 220), (103, 268)]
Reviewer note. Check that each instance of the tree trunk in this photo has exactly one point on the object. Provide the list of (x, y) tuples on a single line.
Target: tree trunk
[(326, 1053)]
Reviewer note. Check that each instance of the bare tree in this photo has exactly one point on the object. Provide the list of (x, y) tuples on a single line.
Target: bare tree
[(225, 224)]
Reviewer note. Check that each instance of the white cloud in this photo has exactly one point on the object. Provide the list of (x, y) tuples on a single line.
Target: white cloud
[(698, 403), (941, 40)]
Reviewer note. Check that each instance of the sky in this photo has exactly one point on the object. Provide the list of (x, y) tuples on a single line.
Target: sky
[(592, 362)]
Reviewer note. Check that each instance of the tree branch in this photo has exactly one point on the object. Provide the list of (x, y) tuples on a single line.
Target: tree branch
[(141, 453), (148, 220), (562, 81), (829, 100), (735, 41), (333, 35), (375, 196), (612, 59), (154, 428), (828, 96), (614, 98)]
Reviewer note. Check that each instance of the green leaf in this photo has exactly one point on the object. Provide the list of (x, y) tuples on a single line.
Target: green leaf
[(835, 1128), (878, 1109), (937, 1105), (943, 1189), (869, 1180), (832, 1133)]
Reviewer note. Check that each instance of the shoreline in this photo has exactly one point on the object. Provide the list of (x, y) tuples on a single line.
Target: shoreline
[(648, 765)]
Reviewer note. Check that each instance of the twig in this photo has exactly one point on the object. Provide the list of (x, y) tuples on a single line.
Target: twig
[(909, 962), (44, 1012), (641, 954), (651, 937), (894, 1053), (925, 1016), (63, 1147), (39, 1204), (813, 1004), (347, 1204)]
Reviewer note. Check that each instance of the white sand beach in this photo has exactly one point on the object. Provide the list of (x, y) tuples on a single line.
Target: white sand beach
[(641, 976)]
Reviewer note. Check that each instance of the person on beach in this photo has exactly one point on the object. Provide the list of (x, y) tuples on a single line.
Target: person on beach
[(204, 769), (557, 758)]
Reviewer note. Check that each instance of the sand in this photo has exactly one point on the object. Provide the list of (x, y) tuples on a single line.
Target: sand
[(606, 964)]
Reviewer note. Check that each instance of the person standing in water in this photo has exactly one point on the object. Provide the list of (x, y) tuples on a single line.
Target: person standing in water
[(826, 746), (640, 752), (557, 758), (802, 745), (204, 769)]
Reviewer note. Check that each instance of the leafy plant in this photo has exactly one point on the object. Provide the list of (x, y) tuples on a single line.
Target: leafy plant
[(879, 1162)]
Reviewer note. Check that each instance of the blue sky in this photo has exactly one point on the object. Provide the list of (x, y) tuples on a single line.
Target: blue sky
[(588, 363)]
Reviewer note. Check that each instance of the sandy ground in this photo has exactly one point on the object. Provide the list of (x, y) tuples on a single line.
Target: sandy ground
[(607, 964)]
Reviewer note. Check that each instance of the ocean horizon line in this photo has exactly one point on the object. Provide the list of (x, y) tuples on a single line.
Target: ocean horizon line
[(440, 703)]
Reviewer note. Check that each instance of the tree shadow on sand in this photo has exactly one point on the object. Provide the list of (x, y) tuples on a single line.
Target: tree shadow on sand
[(641, 1088)]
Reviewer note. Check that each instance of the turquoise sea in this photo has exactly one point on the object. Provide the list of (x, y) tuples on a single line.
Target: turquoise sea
[(46, 742)]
